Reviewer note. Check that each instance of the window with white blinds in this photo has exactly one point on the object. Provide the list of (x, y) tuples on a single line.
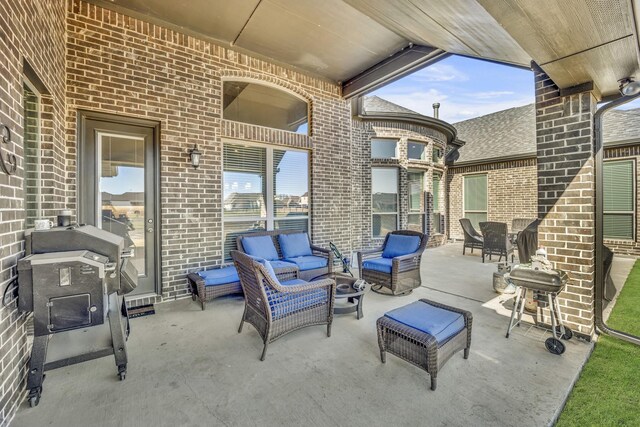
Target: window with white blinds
[(475, 199), (263, 189), (619, 199), (31, 107)]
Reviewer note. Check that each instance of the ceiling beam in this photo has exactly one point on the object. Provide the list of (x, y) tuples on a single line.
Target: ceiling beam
[(398, 65)]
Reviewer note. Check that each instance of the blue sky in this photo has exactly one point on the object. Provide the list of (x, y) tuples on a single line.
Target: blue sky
[(464, 87)]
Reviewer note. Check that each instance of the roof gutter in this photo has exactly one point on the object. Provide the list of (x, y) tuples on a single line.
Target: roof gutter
[(525, 156), (598, 209), (418, 119)]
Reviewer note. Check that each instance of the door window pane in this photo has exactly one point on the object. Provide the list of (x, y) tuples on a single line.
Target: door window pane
[(264, 106), (475, 199), (31, 155), (416, 150), (416, 222), (291, 183), (619, 199), (384, 200), (245, 171), (121, 200), (384, 148)]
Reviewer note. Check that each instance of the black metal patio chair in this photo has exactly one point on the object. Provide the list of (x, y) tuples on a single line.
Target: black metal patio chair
[(496, 241)]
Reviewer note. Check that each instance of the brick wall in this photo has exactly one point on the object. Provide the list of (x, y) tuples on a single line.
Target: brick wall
[(566, 188), (363, 132), (512, 192), (625, 246), (33, 31), (121, 65)]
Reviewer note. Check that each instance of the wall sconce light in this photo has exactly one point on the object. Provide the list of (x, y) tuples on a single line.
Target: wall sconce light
[(9, 166), (195, 155)]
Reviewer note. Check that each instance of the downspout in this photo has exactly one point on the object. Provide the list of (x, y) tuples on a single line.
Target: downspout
[(598, 170)]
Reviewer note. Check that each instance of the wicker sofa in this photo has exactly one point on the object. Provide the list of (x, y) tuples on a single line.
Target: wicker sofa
[(396, 264), (286, 249)]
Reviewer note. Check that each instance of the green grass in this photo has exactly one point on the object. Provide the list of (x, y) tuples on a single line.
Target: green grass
[(608, 390)]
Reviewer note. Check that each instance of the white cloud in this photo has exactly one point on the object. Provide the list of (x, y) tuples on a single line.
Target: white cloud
[(439, 73), (492, 94)]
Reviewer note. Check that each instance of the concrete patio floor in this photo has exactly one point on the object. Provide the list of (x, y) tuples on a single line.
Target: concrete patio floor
[(189, 367)]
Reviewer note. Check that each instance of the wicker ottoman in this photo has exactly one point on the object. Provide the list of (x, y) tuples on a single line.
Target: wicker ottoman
[(426, 334), (210, 284)]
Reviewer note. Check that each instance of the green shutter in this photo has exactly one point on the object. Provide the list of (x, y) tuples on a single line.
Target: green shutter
[(619, 199), (475, 193)]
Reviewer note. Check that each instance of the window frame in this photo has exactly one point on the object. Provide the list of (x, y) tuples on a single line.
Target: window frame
[(424, 151), (397, 212), (396, 154), (634, 193), (422, 213), (38, 196), (270, 219), (464, 208)]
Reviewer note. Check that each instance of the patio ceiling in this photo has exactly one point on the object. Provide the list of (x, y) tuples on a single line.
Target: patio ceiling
[(574, 41)]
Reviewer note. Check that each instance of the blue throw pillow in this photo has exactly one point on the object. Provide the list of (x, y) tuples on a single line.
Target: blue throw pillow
[(398, 245), (294, 245), (267, 265), (260, 246)]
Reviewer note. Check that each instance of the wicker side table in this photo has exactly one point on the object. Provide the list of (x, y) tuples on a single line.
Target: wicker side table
[(420, 348)]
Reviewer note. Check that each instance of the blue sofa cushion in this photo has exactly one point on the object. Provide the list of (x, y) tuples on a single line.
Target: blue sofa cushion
[(282, 264), (309, 262), (438, 322), (219, 276), (398, 245), (260, 246), (378, 264), (294, 245), (269, 267), (283, 304)]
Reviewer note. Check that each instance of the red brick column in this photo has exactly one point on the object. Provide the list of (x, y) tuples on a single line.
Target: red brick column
[(566, 188)]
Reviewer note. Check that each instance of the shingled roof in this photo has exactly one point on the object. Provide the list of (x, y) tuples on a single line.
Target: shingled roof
[(512, 133), (375, 104)]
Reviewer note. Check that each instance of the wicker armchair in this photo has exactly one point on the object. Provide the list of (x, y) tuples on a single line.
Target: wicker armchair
[(399, 274), (276, 308), (305, 274), (496, 240), (472, 239)]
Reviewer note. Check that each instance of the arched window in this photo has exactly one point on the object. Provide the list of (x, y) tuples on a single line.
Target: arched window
[(262, 105)]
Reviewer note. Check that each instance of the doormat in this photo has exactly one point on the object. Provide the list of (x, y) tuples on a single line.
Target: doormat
[(141, 310)]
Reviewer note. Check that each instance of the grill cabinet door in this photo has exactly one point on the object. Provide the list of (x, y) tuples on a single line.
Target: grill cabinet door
[(69, 312)]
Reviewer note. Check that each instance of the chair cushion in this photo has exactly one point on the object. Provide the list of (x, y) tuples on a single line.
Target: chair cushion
[(310, 262), (260, 246), (219, 276), (378, 264), (438, 322), (294, 245), (398, 245), (283, 304), (282, 264)]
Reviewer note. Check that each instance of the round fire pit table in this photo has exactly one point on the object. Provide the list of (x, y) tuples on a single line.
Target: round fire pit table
[(344, 289)]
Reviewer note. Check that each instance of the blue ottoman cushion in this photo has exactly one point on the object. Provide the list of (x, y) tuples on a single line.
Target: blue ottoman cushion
[(398, 245), (260, 246), (219, 276), (378, 264), (294, 245), (439, 323), (309, 262)]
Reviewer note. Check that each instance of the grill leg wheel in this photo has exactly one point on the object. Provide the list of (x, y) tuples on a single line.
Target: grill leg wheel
[(554, 346), (34, 397), (568, 333)]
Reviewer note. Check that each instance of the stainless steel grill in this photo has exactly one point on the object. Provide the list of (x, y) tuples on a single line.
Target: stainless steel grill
[(73, 280)]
